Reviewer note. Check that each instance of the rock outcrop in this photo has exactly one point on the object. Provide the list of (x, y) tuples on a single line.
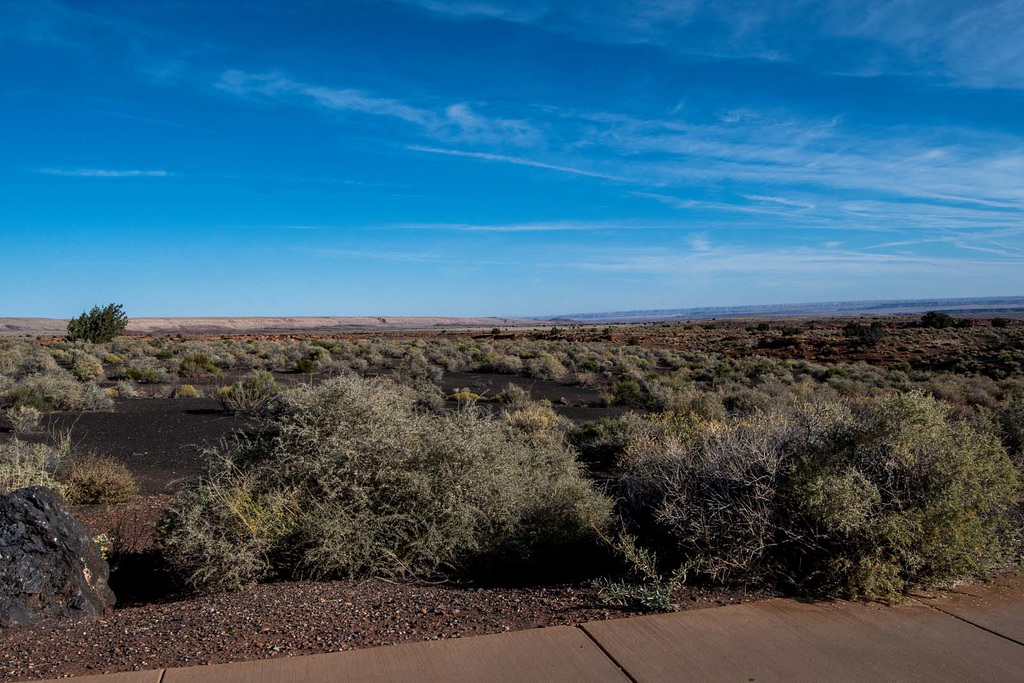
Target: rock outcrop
[(49, 567)]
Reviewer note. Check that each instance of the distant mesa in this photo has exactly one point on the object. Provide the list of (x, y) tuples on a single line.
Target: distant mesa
[(1007, 306), (979, 307)]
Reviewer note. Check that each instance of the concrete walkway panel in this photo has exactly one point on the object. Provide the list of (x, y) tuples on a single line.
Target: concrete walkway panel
[(562, 654), (998, 607), (784, 640)]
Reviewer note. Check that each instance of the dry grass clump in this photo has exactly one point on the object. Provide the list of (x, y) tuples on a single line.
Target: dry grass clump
[(187, 391), (27, 464), (87, 367), (514, 396), (91, 479), (24, 419), (539, 423), (353, 481), (57, 390), (198, 364), (827, 498), (255, 394)]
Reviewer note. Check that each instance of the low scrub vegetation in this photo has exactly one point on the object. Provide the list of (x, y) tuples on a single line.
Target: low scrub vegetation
[(252, 395), (24, 419), (92, 479), (187, 391), (354, 481), (826, 497), (824, 458), (25, 464)]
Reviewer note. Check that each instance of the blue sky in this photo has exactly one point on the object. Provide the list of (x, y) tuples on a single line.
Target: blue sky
[(479, 157)]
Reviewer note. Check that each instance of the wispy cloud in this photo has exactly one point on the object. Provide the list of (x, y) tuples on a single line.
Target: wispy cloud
[(978, 43), (456, 122), (519, 161), (704, 259), (552, 226), (104, 173)]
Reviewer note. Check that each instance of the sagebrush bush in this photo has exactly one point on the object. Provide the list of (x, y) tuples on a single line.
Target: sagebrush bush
[(354, 481), (187, 391), (826, 497), (27, 464), (255, 394), (87, 367), (539, 423), (90, 479), (56, 391), (145, 374), (198, 364), (1011, 427), (514, 396), (24, 419)]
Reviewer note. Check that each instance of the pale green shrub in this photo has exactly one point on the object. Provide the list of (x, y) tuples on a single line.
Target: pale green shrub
[(87, 367), (255, 394), (828, 497), (25, 464), (24, 419), (187, 391), (355, 482)]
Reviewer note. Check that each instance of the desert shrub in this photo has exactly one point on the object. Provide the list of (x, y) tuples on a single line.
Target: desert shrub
[(113, 359), (27, 464), (354, 481), (91, 479), (1000, 322), (1010, 417), (601, 442), (306, 366), (829, 498), (144, 374), (187, 391), (57, 391), (254, 394), (198, 364), (24, 419), (514, 396), (937, 320), (867, 335), (464, 396), (506, 364), (546, 366), (126, 389), (539, 423), (625, 392), (87, 367), (100, 325)]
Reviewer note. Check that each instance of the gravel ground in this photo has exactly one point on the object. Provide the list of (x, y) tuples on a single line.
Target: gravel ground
[(297, 618)]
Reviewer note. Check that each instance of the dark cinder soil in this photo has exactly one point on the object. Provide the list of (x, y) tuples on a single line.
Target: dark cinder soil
[(161, 440)]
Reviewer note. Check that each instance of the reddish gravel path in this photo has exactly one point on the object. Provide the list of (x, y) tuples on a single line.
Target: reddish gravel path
[(296, 618)]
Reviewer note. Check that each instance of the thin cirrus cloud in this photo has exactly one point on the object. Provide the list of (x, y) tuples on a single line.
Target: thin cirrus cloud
[(553, 226), (704, 259), (978, 43), (104, 173), (456, 122), (519, 161)]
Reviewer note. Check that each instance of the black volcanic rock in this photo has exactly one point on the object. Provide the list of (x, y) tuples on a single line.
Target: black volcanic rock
[(49, 567)]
